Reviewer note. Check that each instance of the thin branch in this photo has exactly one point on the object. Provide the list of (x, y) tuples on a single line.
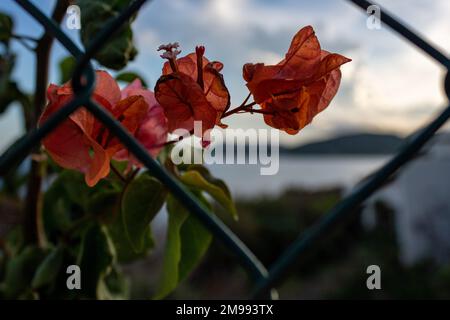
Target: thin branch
[(133, 174), (244, 108), (246, 99), (117, 173), (23, 40), (174, 141), (260, 111), (239, 108), (34, 229), (24, 37)]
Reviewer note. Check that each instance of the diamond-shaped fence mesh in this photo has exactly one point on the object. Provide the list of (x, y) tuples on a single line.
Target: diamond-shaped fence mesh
[(83, 83)]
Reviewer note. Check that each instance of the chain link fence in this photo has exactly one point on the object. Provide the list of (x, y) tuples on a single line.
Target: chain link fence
[(83, 82)]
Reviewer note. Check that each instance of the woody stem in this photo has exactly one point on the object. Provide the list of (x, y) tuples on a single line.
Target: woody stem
[(34, 229)]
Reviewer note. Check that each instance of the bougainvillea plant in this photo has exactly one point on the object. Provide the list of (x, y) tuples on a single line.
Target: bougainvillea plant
[(90, 203)]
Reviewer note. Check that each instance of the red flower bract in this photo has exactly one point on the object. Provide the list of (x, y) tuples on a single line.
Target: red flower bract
[(81, 142), (191, 89), (300, 86), (152, 132)]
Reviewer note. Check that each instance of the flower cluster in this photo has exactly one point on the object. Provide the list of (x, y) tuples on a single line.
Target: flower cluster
[(191, 88), (83, 143), (300, 86)]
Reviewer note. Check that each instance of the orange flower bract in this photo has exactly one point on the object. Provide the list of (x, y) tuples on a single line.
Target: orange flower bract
[(83, 143), (300, 86), (192, 89)]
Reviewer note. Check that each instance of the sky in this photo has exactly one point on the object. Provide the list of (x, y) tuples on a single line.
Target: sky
[(390, 86)]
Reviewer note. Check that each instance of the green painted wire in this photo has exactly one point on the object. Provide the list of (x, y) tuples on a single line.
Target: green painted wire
[(231, 241), (345, 208), (407, 32), (215, 225)]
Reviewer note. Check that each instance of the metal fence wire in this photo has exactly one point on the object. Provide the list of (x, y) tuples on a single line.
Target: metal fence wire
[(263, 279)]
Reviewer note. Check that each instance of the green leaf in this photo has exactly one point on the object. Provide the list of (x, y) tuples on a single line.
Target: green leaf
[(20, 270), (206, 174), (6, 27), (66, 67), (49, 268), (120, 166), (105, 205), (64, 201), (142, 200), (129, 77), (69, 199), (125, 252), (195, 239), (164, 158), (14, 240), (198, 177), (119, 49), (9, 91), (70, 185), (96, 259), (187, 242), (113, 287), (172, 253)]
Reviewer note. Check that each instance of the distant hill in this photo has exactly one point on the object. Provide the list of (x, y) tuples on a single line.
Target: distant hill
[(363, 143)]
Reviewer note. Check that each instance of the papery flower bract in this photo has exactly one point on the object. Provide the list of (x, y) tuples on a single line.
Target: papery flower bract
[(300, 86), (83, 143), (194, 91), (153, 130)]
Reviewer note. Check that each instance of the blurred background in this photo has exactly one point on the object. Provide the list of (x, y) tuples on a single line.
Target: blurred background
[(388, 91)]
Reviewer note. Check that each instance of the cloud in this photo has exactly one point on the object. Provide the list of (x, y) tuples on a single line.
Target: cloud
[(389, 86)]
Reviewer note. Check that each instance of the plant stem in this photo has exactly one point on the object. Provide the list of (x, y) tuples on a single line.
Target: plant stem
[(246, 99), (34, 231), (117, 173), (244, 107), (24, 37), (23, 42), (178, 139), (133, 174), (167, 143), (260, 111), (240, 108)]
